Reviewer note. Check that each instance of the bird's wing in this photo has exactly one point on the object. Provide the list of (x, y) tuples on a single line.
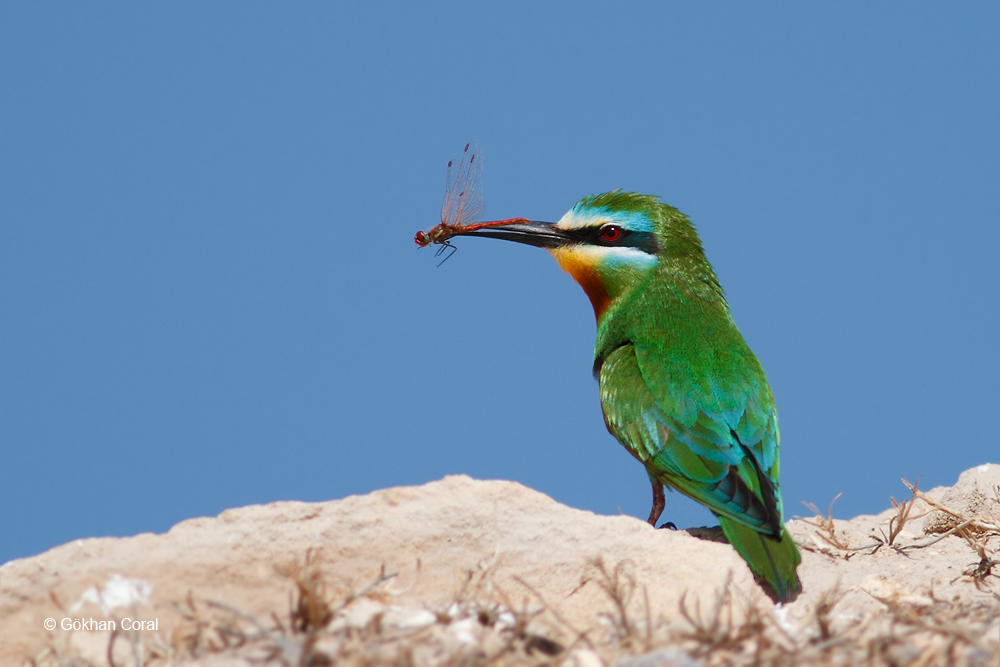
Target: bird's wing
[(714, 440)]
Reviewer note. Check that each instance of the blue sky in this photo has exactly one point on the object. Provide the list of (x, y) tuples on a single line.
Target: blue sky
[(210, 295)]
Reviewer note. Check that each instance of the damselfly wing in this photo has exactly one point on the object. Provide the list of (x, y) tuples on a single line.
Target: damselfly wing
[(463, 203), (463, 199)]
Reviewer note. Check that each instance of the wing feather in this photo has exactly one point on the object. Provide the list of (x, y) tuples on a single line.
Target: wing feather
[(714, 444)]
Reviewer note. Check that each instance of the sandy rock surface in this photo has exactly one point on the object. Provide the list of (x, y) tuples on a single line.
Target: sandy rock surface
[(467, 563)]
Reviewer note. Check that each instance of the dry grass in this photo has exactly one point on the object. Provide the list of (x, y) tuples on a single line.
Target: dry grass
[(826, 530), (903, 514), (735, 631), (483, 624), (316, 631)]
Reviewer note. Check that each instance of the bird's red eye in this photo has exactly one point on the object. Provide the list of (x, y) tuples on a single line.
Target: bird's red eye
[(611, 232)]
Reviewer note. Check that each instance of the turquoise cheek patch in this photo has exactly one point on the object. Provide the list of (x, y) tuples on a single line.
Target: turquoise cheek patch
[(636, 259)]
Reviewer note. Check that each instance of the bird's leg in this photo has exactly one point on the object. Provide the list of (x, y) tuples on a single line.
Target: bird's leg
[(658, 502)]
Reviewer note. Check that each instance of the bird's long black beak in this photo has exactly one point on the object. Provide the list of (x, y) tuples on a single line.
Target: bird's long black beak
[(529, 232)]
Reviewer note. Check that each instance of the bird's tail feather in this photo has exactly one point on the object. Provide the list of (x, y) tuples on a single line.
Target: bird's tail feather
[(772, 560)]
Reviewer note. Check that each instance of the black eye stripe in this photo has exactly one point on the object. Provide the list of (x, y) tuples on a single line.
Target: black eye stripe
[(644, 241)]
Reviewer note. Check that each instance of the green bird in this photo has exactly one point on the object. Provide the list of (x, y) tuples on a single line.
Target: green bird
[(680, 388)]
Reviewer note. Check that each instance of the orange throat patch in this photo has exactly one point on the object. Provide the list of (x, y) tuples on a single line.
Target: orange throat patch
[(585, 273)]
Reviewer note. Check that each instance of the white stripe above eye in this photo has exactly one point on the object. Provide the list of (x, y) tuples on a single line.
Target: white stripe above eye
[(578, 219)]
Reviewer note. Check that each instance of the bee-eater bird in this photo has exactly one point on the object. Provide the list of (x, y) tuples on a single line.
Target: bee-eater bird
[(680, 388)]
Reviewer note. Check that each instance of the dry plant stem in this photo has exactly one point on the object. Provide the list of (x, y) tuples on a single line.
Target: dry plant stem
[(824, 607), (715, 632), (827, 528), (264, 632), (851, 550), (942, 626), (185, 643), (580, 636), (978, 522), (519, 631), (903, 515), (521, 621), (308, 617), (850, 634), (898, 522), (956, 530), (111, 647), (982, 570), (826, 525), (718, 632), (619, 585), (311, 611), (372, 585), (827, 531)]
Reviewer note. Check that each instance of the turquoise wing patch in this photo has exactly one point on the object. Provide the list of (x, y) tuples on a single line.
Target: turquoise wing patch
[(708, 443)]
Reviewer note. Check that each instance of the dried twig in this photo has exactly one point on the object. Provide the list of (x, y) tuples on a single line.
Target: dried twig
[(580, 636), (825, 526), (827, 531), (898, 522), (978, 523), (619, 585)]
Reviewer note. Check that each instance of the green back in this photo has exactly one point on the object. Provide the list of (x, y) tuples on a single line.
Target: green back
[(682, 390)]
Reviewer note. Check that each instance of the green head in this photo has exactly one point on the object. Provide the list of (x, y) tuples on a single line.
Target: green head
[(615, 242)]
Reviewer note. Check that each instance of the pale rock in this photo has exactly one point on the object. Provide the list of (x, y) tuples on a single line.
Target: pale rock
[(454, 544), (117, 592), (505, 536), (583, 657), (663, 657), (977, 494), (408, 619)]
